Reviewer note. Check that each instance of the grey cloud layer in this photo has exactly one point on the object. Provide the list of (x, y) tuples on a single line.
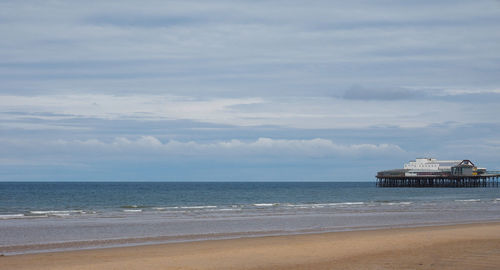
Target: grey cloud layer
[(212, 77), (246, 47), (308, 113)]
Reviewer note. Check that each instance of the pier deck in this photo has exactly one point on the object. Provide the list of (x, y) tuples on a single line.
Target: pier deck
[(485, 180)]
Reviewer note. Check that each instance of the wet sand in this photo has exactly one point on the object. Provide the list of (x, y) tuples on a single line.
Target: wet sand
[(470, 246)]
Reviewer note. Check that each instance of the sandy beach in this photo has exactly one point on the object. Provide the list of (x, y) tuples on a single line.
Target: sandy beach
[(470, 246)]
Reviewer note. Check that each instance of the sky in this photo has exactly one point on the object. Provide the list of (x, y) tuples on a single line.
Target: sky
[(245, 90)]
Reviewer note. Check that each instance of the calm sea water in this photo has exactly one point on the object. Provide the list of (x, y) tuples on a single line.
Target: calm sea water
[(52, 216)]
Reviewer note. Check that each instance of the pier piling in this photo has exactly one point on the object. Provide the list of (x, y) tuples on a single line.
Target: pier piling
[(439, 181)]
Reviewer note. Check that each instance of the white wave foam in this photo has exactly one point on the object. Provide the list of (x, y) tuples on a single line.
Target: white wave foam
[(265, 204), (336, 204), (60, 215), (298, 205), (323, 204), (57, 212), (11, 216), (397, 203), (405, 203), (469, 200), (311, 205), (351, 203), (198, 207), (229, 209), (132, 210)]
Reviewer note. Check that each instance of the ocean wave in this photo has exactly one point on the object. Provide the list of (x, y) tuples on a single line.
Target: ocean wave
[(314, 205), (469, 200), (396, 203), (186, 207), (346, 203), (240, 206), (265, 204), (133, 206), (306, 205), (12, 216), (57, 212), (198, 207), (132, 210), (229, 209), (45, 214)]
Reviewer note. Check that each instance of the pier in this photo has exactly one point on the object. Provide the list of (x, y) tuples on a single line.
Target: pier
[(485, 180), (430, 172)]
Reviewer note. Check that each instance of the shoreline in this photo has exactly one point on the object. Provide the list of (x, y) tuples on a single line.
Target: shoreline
[(56, 247), (459, 246)]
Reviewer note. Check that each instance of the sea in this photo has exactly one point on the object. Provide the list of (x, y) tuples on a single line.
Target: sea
[(55, 216)]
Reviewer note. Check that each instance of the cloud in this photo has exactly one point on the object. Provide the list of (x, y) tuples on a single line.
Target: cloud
[(422, 94), (236, 48), (261, 147), (470, 96), (69, 111), (147, 147), (146, 20), (116, 107), (387, 93)]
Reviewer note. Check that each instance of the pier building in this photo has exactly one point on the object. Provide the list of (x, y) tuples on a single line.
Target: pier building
[(430, 172)]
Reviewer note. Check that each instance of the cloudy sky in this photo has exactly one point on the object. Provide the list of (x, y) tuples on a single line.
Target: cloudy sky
[(245, 90)]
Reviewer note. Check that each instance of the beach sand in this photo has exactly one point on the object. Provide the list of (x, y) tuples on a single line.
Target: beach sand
[(470, 246)]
